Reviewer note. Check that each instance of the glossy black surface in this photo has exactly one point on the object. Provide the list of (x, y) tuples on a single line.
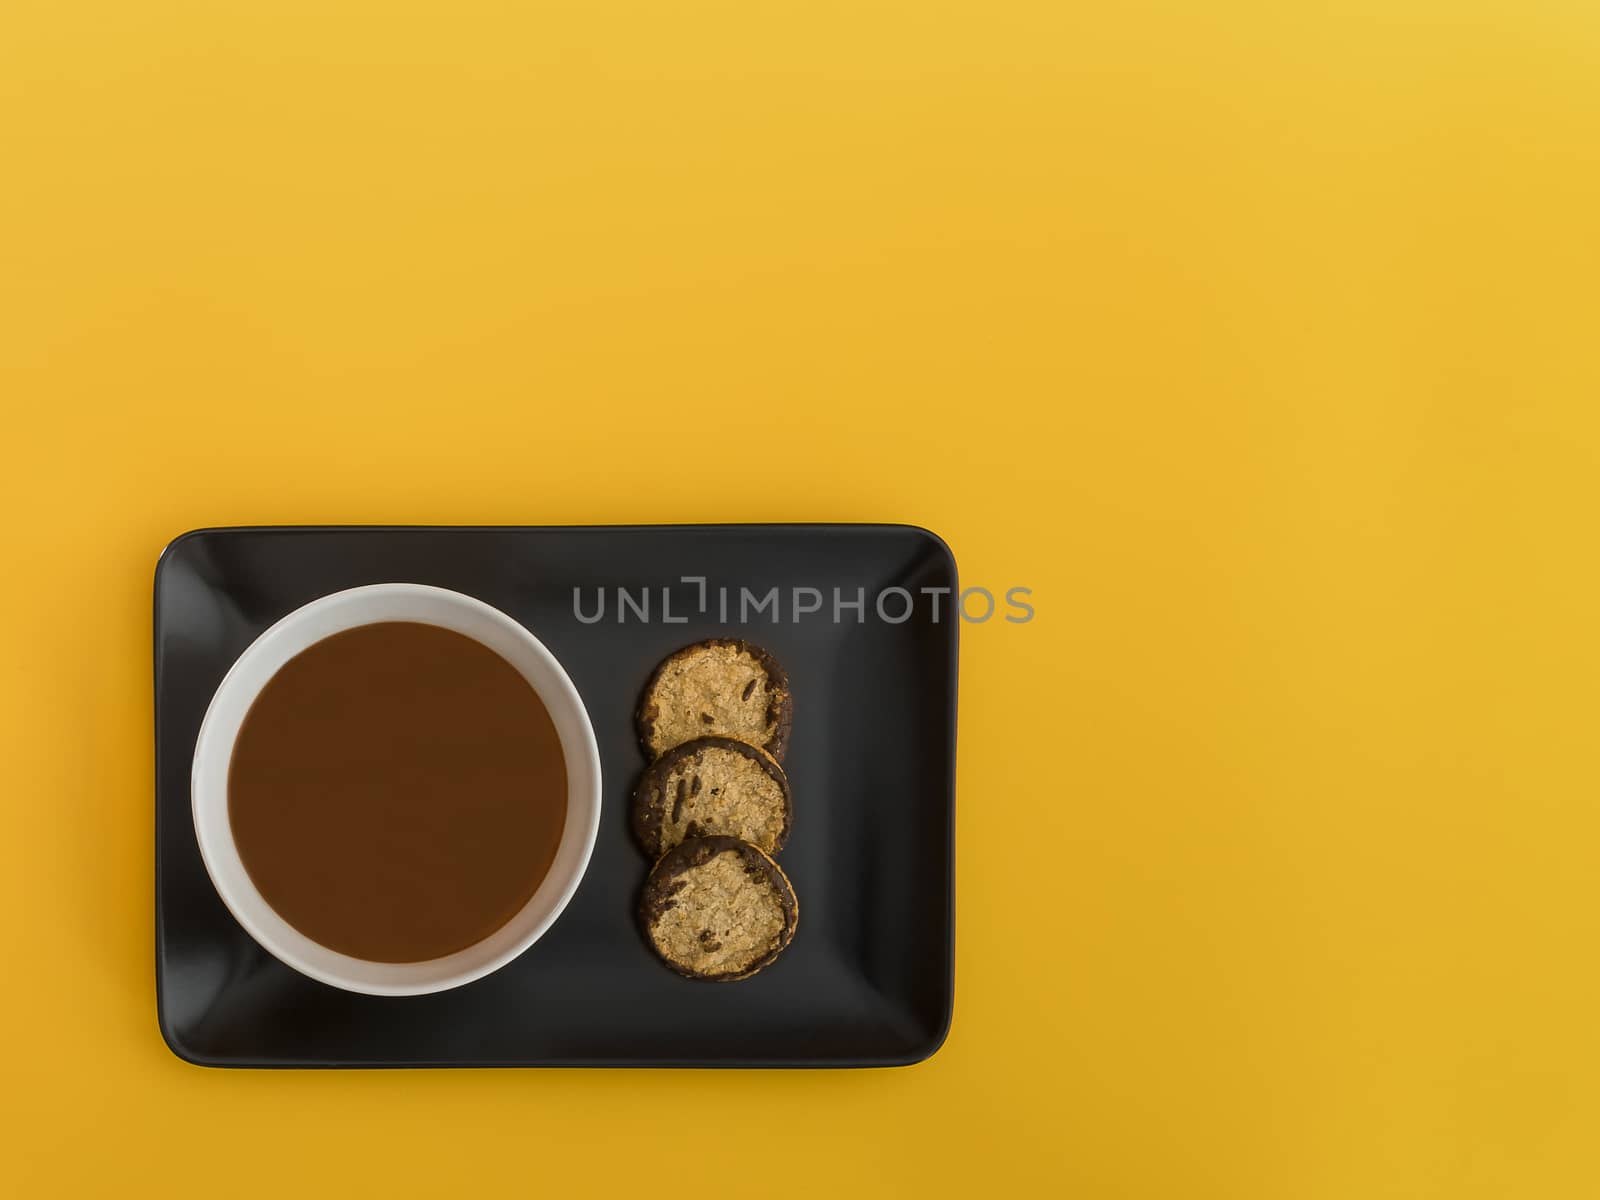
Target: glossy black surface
[(869, 978)]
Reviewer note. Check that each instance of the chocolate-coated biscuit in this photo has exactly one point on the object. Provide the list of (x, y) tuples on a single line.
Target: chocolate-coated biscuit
[(712, 785), (717, 908), (723, 687)]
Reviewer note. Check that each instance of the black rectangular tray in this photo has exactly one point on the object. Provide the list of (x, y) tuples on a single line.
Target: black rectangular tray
[(869, 978)]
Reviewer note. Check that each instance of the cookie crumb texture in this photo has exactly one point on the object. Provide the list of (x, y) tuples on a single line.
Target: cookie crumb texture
[(712, 786), (715, 910), (721, 687)]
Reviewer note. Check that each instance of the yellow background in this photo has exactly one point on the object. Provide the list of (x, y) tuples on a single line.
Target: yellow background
[(1259, 338)]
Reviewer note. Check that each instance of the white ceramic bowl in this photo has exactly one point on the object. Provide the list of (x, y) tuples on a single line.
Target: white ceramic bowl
[(346, 610)]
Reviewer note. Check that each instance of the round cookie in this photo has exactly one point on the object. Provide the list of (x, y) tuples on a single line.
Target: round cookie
[(723, 687), (717, 908), (712, 785)]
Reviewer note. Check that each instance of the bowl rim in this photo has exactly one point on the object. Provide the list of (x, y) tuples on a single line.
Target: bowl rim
[(352, 608)]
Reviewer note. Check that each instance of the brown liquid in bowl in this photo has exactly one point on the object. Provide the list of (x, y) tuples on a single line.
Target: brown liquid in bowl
[(397, 792)]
